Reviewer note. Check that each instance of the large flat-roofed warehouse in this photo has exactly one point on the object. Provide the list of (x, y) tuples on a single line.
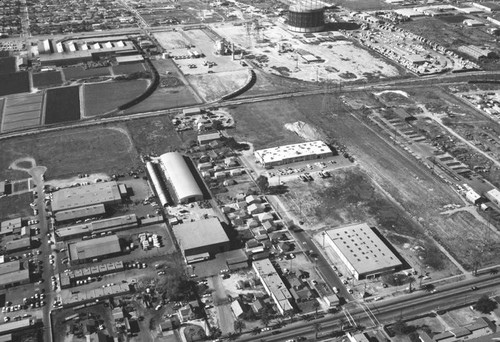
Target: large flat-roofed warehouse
[(273, 284), (94, 249), (201, 239), (80, 213), (362, 251), (180, 176), (292, 153), (106, 193), (11, 274)]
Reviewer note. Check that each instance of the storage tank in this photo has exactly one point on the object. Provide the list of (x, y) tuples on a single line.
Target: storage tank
[(306, 16)]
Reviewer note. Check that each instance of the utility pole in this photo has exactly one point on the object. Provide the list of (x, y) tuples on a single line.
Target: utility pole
[(323, 233)]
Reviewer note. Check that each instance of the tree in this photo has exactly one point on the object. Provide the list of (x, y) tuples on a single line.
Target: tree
[(410, 280), (239, 325), (400, 327), (265, 318), (232, 336), (485, 305), (256, 331), (316, 307), (317, 329), (263, 183), (428, 287)]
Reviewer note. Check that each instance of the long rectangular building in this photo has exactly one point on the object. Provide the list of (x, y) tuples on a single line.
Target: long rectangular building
[(80, 213), (96, 227), (273, 284), (7, 227), (292, 153), (16, 245), (106, 193), (94, 249), (362, 251)]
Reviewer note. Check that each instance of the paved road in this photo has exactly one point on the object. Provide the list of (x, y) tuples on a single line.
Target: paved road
[(388, 311), (48, 271)]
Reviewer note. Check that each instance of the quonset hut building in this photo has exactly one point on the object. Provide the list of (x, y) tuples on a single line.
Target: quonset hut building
[(181, 178)]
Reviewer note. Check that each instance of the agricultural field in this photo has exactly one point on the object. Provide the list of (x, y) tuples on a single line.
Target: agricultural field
[(22, 111), (100, 98), (126, 69), (14, 83), (63, 104), (172, 92), (47, 79), (213, 86), (8, 65), (75, 73), (107, 149)]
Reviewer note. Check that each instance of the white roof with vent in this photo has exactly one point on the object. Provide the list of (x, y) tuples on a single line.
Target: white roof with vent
[(280, 153), (364, 250)]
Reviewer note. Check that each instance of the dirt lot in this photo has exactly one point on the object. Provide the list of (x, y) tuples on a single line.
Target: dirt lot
[(213, 86), (72, 151)]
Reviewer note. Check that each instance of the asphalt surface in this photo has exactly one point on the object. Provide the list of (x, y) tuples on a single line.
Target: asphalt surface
[(46, 250), (385, 312)]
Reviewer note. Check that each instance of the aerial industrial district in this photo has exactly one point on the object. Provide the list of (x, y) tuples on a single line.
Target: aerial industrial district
[(249, 170)]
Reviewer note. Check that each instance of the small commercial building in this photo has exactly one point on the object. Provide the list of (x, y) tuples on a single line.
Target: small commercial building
[(106, 193), (15, 278), (494, 196), (17, 245), (273, 284), (362, 251), (191, 111), (93, 250), (208, 138), (287, 154), (200, 240), (180, 176), (7, 227), (80, 213)]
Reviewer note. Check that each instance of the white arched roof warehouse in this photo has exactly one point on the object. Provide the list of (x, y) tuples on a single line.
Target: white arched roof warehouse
[(180, 176)]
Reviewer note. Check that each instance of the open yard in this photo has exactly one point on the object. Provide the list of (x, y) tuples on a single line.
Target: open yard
[(105, 149), (100, 98), (128, 68), (63, 104)]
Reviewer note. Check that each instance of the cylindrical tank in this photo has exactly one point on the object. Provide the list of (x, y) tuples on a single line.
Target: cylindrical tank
[(306, 16)]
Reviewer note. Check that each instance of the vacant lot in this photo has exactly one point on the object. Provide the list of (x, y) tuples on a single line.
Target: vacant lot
[(15, 82), (214, 86), (86, 150), (63, 104), (46, 79), (74, 73), (157, 135), (128, 68), (15, 206), (400, 178), (100, 98)]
